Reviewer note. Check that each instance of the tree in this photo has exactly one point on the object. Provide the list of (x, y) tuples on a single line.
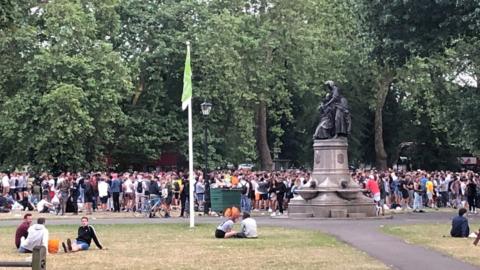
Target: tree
[(402, 29), (70, 64)]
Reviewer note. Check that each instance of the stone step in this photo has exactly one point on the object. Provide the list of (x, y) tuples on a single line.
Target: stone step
[(338, 213), (300, 215), (357, 215)]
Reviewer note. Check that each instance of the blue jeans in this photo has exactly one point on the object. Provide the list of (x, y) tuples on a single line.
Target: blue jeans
[(82, 245), (245, 204), (23, 250), (417, 201)]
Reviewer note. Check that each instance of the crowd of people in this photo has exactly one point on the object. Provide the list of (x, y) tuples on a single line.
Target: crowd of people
[(260, 191), (99, 191), (416, 190)]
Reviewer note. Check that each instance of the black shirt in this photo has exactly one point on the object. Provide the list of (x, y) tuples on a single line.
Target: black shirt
[(86, 234), (153, 188)]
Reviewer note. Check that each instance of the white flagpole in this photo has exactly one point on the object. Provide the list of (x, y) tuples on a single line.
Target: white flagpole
[(190, 161)]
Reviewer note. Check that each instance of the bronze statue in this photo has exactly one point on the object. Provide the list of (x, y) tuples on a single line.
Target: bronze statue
[(335, 119)]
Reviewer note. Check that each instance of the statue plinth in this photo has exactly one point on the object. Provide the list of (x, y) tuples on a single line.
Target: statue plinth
[(335, 193)]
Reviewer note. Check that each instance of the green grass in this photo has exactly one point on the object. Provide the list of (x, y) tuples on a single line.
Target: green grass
[(179, 247), (437, 237)]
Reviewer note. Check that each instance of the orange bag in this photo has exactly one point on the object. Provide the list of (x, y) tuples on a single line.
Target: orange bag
[(53, 245)]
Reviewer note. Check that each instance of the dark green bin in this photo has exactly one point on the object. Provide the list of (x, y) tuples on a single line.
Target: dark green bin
[(222, 198)]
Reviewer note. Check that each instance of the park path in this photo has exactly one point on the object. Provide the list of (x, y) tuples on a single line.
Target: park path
[(364, 235)]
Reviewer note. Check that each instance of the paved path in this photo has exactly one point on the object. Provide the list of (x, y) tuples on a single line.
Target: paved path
[(364, 235)]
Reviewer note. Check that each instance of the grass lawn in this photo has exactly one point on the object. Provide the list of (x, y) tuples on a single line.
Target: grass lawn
[(432, 236), (171, 246)]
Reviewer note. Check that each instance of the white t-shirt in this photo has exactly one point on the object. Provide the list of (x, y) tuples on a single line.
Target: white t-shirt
[(102, 189), (128, 186), (51, 184), (12, 182), (254, 185), (5, 181), (249, 227), (41, 205)]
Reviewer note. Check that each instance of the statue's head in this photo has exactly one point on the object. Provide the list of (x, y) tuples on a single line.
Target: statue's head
[(329, 84)]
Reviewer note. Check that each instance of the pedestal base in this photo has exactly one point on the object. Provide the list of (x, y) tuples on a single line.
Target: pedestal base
[(335, 194), (330, 205)]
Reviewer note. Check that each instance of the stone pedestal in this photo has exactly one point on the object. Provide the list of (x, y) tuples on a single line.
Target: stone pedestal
[(336, 194)]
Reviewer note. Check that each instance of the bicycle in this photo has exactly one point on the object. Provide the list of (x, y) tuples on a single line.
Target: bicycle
[(168, 210), (146, 207)]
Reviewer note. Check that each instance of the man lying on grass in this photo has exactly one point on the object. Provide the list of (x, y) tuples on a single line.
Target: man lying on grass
[(85, 235)]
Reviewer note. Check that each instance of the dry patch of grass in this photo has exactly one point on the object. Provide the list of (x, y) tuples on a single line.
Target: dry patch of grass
[(437, 237), (175, 246)]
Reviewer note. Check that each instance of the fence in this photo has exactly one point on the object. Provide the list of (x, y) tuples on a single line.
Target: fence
[(39, 260)]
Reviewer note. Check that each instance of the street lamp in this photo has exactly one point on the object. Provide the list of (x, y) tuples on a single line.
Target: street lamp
[(206, 108)]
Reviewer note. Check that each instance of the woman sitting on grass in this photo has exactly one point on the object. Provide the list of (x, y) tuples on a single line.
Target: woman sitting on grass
[(224, 230)]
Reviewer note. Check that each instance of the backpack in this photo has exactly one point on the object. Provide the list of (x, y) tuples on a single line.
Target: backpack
[(245, 189), (139, 187), (176, 186)]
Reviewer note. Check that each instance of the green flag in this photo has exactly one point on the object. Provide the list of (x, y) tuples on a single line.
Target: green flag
[(187, 81)]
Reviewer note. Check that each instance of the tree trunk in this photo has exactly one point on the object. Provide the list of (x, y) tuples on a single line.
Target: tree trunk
[(382, 86), (261, 136)]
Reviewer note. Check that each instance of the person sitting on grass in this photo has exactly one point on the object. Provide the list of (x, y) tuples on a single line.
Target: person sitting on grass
[(248, 227), (37, 236), (85, 235), (224, 230), (22, 229), (460, 225)]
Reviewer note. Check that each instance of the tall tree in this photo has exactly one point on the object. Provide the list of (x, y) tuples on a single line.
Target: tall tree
[(401, 29), (64, 109)]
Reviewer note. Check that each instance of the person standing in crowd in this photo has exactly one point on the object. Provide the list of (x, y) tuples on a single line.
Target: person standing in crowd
[(89, 193), (280, 189), (74, 194), (63, 189), (128, 195), (103, 191), (429, 188), (184, 193), (245, 193), (22, 229), (200, 192), (443, 190), (460, 226), (86, 233), (455, 192), (154, 193), (471, 195), (116, 189), (263, 191), (167, 195), (372, 187), (418, 198), (5, 184), (37, 236)]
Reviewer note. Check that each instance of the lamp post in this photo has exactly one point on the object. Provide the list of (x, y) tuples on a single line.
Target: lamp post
[(206, 108)]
